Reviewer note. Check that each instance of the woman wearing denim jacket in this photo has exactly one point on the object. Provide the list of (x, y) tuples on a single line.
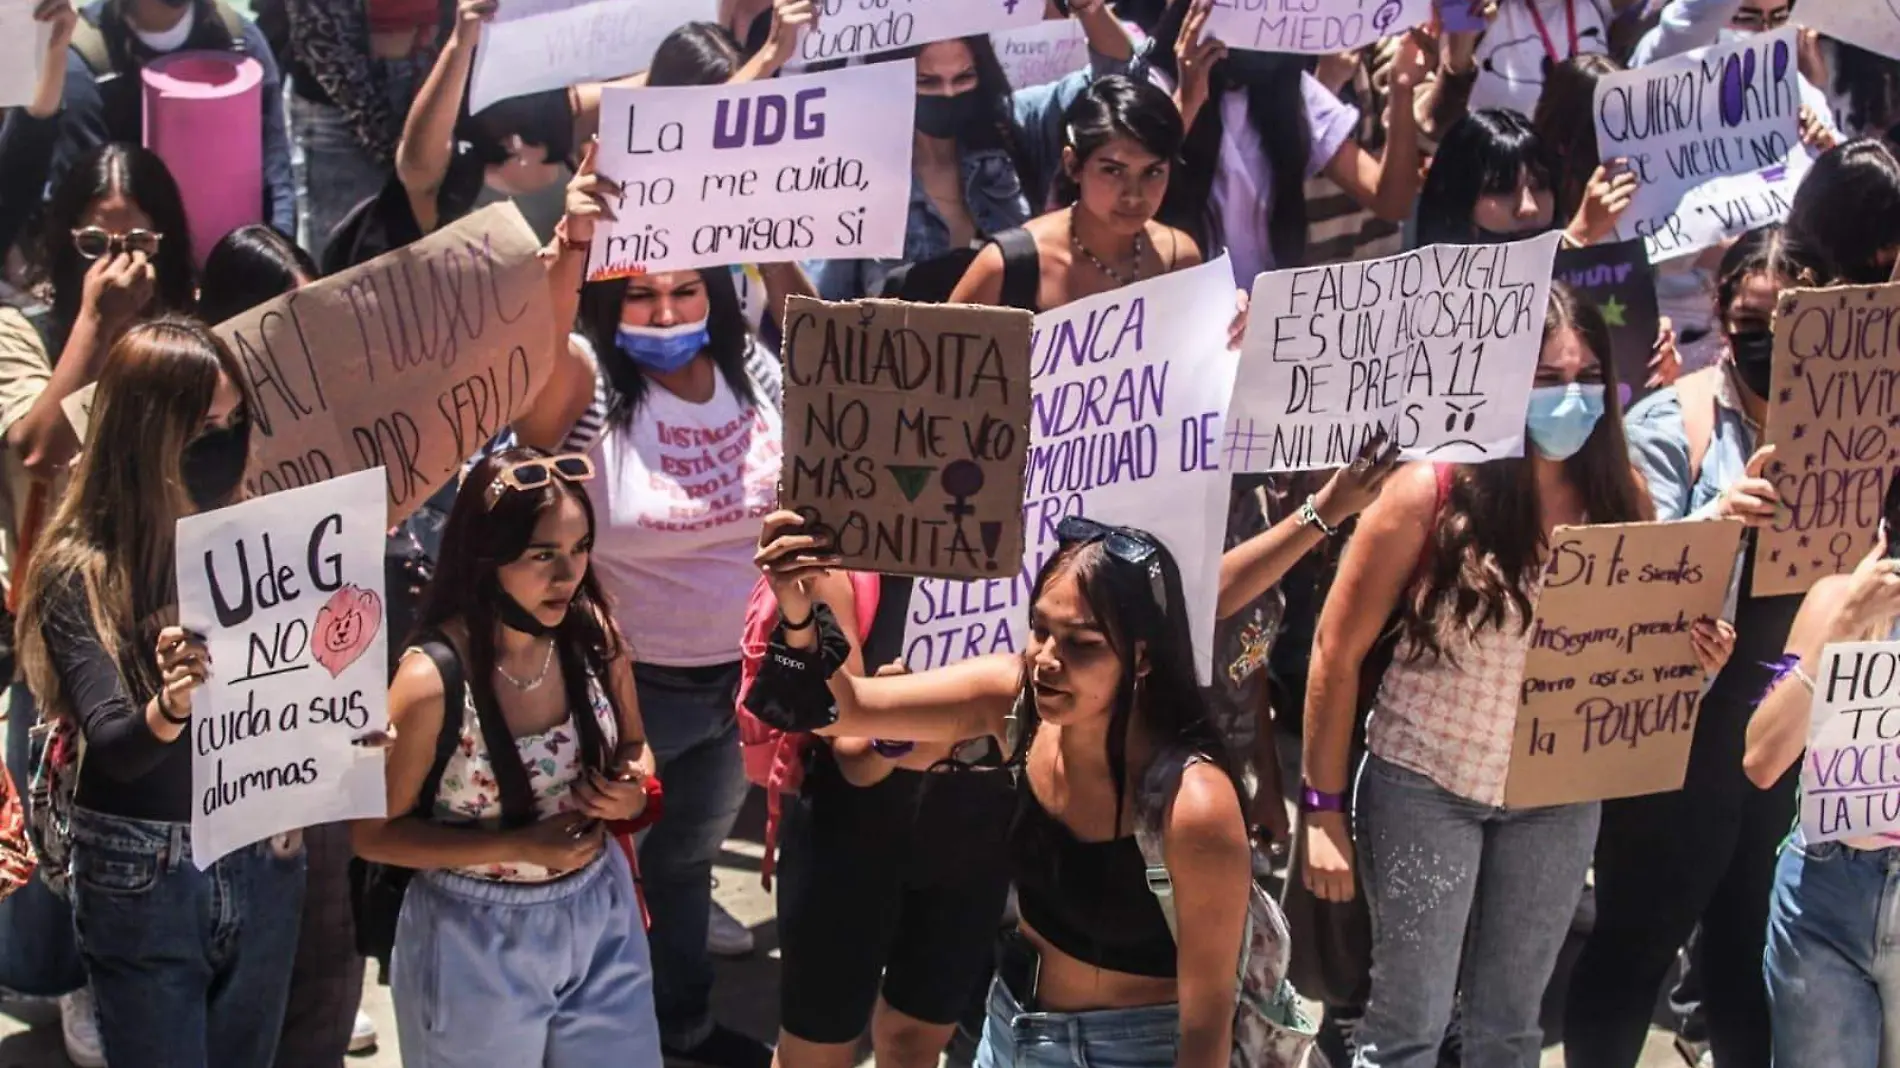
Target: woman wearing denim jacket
[(985, 158), (190, 968)]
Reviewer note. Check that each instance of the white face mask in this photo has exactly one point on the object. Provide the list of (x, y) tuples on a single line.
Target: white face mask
[(170, 40)]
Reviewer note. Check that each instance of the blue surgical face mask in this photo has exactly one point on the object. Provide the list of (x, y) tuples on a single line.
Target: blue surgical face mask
[(1561, 418), (663, 348)]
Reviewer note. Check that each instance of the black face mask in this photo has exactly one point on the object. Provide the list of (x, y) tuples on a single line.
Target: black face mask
[(1754, 354), (1244, 69), (213, 465), (948, 116), (515, 617), (1482, 236)]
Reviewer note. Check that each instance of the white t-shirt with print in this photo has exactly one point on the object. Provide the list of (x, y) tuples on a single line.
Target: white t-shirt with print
[(1512, 55)]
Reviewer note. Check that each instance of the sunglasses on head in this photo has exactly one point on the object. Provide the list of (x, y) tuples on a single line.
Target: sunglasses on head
[(93, 243), (1131, 547), (539, 472)]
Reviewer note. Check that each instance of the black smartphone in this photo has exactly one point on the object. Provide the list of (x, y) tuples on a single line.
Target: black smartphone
[(1019, 966), (1890, 519)]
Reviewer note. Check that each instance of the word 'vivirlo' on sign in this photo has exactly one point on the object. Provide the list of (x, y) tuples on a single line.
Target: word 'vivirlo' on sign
[(906, 428), (1612, 686), (534, 46), (1438, 346)]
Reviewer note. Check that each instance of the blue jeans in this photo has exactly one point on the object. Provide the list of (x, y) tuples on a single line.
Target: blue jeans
[(529, 975), (1106, 1038), (693, 727), (334, 171), (1449, 879), (39, 956), (1832, 967), (191, 969)]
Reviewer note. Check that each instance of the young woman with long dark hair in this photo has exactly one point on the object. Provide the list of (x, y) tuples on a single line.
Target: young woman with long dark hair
[(512, 848), (188, 967), (1493, 179), (1094, 721), (1451, 874), (1844, 223)]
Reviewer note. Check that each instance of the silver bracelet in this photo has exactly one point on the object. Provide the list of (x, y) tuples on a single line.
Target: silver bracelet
[(1308, 516)]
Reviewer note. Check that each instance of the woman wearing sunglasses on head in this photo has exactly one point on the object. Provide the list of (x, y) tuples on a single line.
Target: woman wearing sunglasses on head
[(189, 968), (1102, 701), (520, 942)]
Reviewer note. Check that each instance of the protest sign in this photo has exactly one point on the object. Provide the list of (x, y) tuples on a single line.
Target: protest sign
[(23, 41), (1850, 774), (1047, 52), (288, 592), (1439, 346), (1870, 24), (1611, 683), (848, 28), (906, 428), (1313, 27), (1713, 138), (1834, 419), (410, 362), (1618, 279), (1127, 391), (808, 167), (532, 46)]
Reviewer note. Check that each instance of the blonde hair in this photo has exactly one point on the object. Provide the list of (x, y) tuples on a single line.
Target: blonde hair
[(113, 529)]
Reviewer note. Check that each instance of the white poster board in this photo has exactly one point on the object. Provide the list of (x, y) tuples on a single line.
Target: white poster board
[(850, 28), (23, 41), (1870, 24), (815, 166), (1850, 775), (288, 592), (1047, 52), (1713, 137), (536, 45), (1438, 345), (1312, 27), (1127, 391)]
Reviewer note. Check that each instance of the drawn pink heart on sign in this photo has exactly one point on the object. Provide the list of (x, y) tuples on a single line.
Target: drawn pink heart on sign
[(345, 626)]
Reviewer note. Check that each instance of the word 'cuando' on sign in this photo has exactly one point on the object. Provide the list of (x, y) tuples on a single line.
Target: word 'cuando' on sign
[(1124, 422), (1850, 774), (1834, 419), (1313, 27), (1612, 686), (906, 428), (848, 28)]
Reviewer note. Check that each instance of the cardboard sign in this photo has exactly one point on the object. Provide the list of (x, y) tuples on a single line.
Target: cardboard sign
[(906, 428), (532, 46), (1312, 27), (1850, 777), (1611, 683), (1047, 52), (1439, 346), (1713, 137), (1127, 391), (848, 28), (410, 362), (1870, 24), (288, 592), (23, 41), (1618, 279), (1834, 419), (809, 167)]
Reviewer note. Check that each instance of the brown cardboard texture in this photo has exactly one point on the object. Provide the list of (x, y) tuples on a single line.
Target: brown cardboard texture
[(907, 432)]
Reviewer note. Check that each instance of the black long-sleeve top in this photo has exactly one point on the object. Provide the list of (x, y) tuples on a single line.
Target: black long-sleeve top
[(127, 770)]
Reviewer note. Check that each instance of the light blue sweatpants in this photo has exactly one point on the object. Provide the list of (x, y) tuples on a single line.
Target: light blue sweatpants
[(550, 974)]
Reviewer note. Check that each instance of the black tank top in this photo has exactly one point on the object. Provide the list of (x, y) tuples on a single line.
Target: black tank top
[(1089, 899)]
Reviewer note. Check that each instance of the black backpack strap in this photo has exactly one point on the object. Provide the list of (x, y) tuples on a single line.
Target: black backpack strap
[(90, 42), (1022, 269), (233, 23), (884, 642), (504, 759), (454, 699)]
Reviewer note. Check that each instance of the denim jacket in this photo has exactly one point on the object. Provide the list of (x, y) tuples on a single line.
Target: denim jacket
[(998, 198)]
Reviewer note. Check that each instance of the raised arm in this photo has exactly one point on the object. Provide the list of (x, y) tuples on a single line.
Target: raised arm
[(428, 134)]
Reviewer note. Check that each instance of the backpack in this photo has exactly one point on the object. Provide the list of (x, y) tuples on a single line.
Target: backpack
[(49, 799), (1270, 1029), (775, 759), (90, 41), (1696, 393), (932, 281)]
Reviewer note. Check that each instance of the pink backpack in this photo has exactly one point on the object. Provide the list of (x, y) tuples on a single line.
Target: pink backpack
[(775, 759)]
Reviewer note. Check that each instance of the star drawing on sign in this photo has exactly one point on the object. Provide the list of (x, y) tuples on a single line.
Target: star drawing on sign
[(1774, 557), (1787, 395), (1799, 432), (1614, 312), (1802, 541), (1794, 571)]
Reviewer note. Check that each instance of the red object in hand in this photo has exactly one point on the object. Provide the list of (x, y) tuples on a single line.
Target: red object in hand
[(656, 807)]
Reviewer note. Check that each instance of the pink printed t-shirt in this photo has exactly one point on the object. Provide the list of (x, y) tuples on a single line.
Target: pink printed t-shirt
[(679, 496)]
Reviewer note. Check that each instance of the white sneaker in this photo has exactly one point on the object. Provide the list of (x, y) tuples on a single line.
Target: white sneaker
[(725, 936), (79, 1026), (363, 1035)]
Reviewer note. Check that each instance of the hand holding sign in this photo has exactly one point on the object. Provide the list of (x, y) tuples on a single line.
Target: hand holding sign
[(1605, 199), (1873, 594), (183, 665), (1353, 488), (1752, 499), (1195, 53), (1714, 642), (588, 194)]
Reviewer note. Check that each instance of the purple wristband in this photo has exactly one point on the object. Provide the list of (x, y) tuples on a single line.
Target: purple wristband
[(1312, 800), (892, 750)]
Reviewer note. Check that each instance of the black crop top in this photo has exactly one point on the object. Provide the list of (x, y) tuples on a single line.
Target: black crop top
[(1088, 899)]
